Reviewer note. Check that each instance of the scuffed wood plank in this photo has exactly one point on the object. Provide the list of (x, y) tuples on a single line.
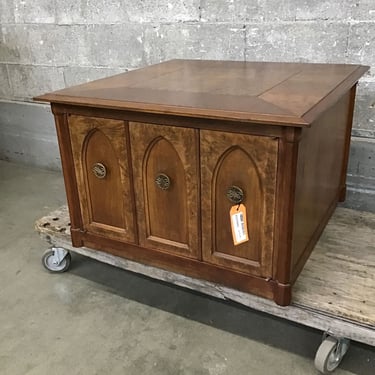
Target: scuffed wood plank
[(339, 277), (328, 295), (298, 314), (56, 224)]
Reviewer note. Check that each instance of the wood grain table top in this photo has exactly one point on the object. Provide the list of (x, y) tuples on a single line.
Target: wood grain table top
[(294, 94)]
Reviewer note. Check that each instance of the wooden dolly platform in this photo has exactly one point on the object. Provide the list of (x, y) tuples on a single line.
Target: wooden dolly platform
[(335, 292)]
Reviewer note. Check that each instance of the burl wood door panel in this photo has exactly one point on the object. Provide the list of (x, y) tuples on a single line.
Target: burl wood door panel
[(167, 215), (248, 162), (106, 201)]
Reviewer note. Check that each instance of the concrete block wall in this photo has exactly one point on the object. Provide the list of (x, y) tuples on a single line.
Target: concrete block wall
[(46, 45)]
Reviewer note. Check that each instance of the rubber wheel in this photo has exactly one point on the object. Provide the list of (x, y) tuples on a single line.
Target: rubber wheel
[(48, 262), (327, 357)]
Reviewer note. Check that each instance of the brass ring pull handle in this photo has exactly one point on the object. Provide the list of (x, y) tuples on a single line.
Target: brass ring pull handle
[(99, 170), (162, 181), (235, 194)]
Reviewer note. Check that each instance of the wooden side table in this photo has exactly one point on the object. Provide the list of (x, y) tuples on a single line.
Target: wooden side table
[(154, 160)]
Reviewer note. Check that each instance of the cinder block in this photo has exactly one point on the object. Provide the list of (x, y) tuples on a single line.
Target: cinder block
[(230, 11), (364, 112), (91, 11), (30, 150), (107, 11), (68, 45), (113, 11), (361, 175), (163, 11), (361, 47), (47, 44), (77, 75), (363, 10), (321, 10), (27, 118), (28, 134), (297, 41), (10, 49), (28, 81), (32, 11), (6, 11), (5, 89), (360, 199), (74, 45), (290, 10), (194, 41), (71, 12), (40, 44), (272, 10), (361, 169), (116, 45), (23, 44)]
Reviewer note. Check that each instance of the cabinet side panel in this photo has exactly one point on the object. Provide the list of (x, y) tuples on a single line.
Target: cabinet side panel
[(321, 160)]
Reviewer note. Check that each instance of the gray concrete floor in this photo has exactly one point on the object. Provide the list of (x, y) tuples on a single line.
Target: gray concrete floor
[(96, 319)]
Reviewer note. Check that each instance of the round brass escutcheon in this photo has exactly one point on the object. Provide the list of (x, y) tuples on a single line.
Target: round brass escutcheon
[(235, 194), (162, 181), (99, 170)]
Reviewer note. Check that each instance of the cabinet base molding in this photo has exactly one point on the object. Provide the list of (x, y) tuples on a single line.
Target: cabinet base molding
[(263, 287)]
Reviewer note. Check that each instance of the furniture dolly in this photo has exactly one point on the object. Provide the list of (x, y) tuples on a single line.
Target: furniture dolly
[(334, 293), (221, 176)]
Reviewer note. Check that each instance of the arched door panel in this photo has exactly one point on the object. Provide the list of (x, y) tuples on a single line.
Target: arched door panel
[(102, 171), (238, 161), (166, 187)]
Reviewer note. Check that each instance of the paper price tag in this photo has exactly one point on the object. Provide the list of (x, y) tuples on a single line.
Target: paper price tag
[(238, 223)]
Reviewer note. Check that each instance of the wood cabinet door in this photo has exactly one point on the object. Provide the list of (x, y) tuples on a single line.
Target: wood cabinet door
[(165, 168), (250, 163), (102, 169)]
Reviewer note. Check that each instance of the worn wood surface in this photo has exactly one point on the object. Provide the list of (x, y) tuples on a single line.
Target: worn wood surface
[(334, 292), (276, 93), (339, 277)]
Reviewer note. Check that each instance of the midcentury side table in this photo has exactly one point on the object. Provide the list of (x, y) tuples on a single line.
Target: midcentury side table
[(219, 170)]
